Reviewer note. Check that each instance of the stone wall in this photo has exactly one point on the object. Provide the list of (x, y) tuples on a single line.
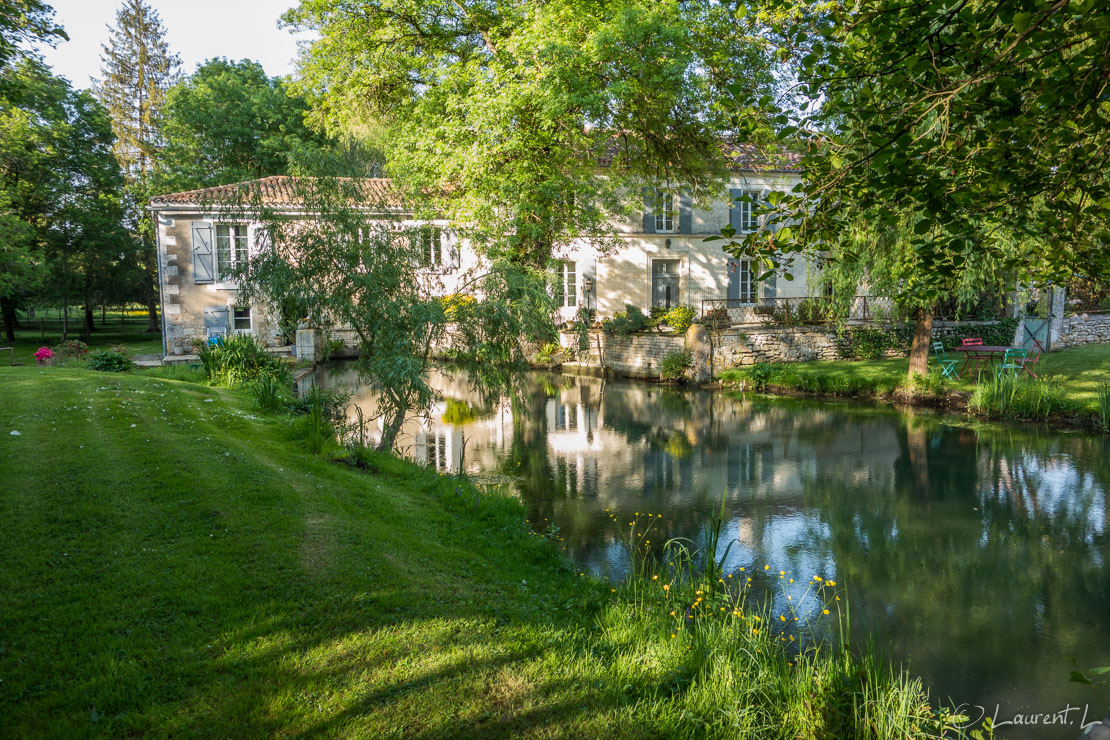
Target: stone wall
[(640, 355), (1084, 329)]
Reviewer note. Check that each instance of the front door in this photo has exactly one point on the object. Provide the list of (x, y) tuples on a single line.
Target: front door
[(664, 283)]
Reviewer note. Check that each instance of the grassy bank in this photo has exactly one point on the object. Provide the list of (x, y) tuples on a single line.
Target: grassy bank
[(1075, 375), (174, 563)]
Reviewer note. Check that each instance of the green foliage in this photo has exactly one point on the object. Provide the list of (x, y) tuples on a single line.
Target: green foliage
[(1013, 396), (801, 377), (318, 432), (508, 152), (61, 194), (551, 354), (110, 361), (241, 359), (934, 175), (229, 122), (71, 349), (681, 317), (871, 343), (333, 403), (1104, 407), (674, 366), (270, 393), (628, 321)]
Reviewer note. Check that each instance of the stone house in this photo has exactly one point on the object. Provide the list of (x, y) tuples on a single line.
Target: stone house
[(661, 257)]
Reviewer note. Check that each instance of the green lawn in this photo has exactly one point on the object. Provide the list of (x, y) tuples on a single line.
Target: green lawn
[(131, 333), (174, 564), (1079, 370)]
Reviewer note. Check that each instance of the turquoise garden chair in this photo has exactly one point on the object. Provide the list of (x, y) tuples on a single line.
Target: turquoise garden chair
[(1013, 362), (947, 367)]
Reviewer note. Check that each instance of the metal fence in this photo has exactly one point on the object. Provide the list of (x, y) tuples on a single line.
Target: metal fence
[(799, 311)]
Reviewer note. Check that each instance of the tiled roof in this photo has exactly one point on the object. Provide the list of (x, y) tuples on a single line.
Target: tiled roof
[(749, 157), (279, 191)]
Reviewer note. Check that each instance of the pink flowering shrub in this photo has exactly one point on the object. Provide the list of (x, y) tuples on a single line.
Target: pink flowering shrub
[(43, 356)]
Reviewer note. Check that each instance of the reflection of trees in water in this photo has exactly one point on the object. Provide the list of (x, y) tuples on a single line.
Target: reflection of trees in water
[(983, 590)]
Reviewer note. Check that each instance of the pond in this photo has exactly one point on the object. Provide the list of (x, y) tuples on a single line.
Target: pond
[(975, 554)]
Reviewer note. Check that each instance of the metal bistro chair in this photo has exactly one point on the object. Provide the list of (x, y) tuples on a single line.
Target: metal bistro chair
[(947, 367), (1012, 362)]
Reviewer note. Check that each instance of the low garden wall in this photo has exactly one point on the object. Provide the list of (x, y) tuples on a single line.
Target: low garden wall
[(1084, 329), (641, 355)]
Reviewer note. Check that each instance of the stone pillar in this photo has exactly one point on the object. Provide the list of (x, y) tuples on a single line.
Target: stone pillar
[(701, 353), (1057, 306), (308, 344)]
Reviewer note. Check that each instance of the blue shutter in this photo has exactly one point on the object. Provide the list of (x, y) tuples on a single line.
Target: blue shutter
[(202, 252), (649, 215), (216, 321), (685, 213)]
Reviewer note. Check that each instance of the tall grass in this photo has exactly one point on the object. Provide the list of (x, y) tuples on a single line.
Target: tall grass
[(1017, 397), (1104, 406), (731, 663), (318, 432)]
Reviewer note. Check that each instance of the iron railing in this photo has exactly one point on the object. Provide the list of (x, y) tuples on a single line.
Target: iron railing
[(799, 311)]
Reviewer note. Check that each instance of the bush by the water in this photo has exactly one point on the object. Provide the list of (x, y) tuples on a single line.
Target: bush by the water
[(795, 376), (674, 365), (241, 359), (113, 360)]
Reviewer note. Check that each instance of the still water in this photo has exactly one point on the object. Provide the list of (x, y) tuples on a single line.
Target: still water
[(975, 554)]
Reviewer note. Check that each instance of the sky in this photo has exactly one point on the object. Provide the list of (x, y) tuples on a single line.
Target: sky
[(196, 30)]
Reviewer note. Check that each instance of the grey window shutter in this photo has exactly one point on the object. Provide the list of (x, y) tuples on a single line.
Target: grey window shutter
[(735, 213), (216, 317), (649, 215), (202, 252), (685, 213), (451, 245)]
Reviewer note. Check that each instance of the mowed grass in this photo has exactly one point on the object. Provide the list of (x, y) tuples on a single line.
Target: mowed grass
[(131, 333), (1079, 371), (174, 564)]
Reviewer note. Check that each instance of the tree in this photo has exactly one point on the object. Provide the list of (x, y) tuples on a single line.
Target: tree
[(60, 192), (365, 275), (138, 69), (968, 136), (229, 122), (537, 122), (25, 22)]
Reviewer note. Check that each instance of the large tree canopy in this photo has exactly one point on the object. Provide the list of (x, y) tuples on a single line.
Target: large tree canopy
[(953, 142), (230, 122), (973, 119), (24, 22), (60, 192), (504, 110)]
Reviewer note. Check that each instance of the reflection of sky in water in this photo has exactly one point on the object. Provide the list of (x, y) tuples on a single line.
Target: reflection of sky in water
[(977, 555)]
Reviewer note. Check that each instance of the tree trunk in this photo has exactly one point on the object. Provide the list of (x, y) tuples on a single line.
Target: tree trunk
[(390, 432), (152, 326), (89, 328), (7, 309), (922, 336)]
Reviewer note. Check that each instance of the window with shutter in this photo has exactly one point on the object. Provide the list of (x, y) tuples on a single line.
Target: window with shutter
[(566, 284), (231, 249), (665, 213)]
